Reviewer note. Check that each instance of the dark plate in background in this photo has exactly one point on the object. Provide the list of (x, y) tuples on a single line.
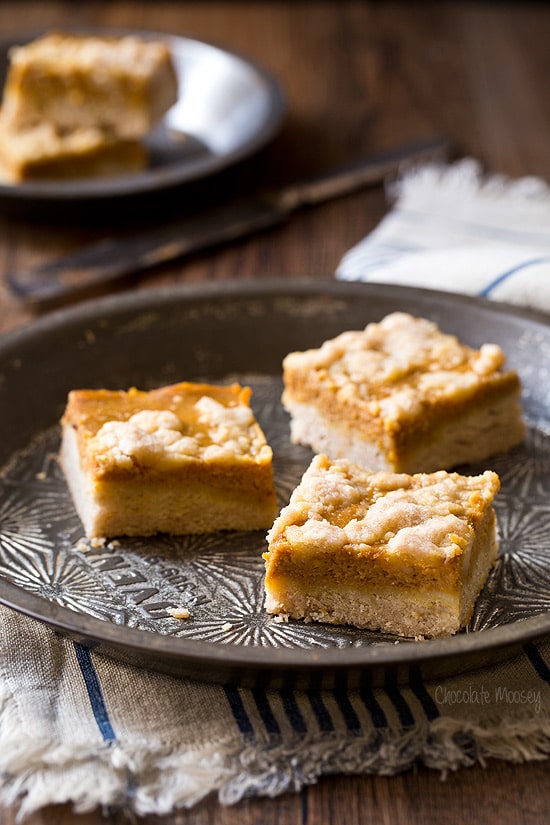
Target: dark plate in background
[(228, 108), (118, 599)]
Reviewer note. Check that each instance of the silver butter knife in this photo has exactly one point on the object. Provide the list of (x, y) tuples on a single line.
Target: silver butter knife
[(111, 259)]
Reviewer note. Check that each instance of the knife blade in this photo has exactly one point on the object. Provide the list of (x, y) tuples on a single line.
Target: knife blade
[(111, 259)]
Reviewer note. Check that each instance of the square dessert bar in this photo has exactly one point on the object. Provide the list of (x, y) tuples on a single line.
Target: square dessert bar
[(119, 84), (405, 554), (401, 395), (187, 458), (43, 152)]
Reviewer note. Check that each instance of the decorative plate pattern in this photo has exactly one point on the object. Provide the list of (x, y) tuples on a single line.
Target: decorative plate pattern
[(120, 598), (219, 578)]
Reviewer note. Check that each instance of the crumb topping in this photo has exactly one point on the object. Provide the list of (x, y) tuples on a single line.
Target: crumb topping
[(162, 428), (429, 517), (149, 436), (91, 54), (396, 365)]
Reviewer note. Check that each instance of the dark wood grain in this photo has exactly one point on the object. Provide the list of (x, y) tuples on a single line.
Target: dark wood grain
[(360, 77)]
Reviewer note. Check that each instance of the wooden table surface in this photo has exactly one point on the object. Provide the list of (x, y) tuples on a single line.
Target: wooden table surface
[(359, 77)]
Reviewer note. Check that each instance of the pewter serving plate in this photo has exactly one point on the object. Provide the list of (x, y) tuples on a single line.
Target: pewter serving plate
[(227, 108), (118, 598)]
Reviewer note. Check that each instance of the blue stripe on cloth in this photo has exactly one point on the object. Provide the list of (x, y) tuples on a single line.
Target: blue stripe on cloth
[(95, 694), (238, 709), (293, 712), (377, 715), (264, 708), (403, 710), (486, 291), (350, 717), (537, 661), (321, 713), (428, 705)]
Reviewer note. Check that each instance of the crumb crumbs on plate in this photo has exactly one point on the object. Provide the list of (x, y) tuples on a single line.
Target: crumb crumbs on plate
[(178, 612), (84, 545)]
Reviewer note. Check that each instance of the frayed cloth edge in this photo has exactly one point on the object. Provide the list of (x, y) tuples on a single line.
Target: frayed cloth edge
[(445, 745), (465, 179), (144, 781)]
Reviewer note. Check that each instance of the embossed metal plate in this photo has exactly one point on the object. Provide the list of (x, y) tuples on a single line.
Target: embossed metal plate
[(121, 596)]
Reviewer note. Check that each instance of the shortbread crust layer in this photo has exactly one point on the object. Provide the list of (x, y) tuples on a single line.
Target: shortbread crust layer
[(43, 152)]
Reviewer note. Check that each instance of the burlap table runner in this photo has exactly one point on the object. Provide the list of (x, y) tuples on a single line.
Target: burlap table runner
[(75, 726)]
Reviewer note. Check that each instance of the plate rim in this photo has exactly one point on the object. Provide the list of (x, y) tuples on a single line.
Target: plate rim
[(83, 189), (235, 658)]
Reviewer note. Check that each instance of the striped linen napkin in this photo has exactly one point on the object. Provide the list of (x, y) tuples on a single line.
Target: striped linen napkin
[(451, 228), (78, 727)]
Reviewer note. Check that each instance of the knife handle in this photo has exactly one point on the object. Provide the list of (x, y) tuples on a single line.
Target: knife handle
[(361, 173), (111, 259)]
